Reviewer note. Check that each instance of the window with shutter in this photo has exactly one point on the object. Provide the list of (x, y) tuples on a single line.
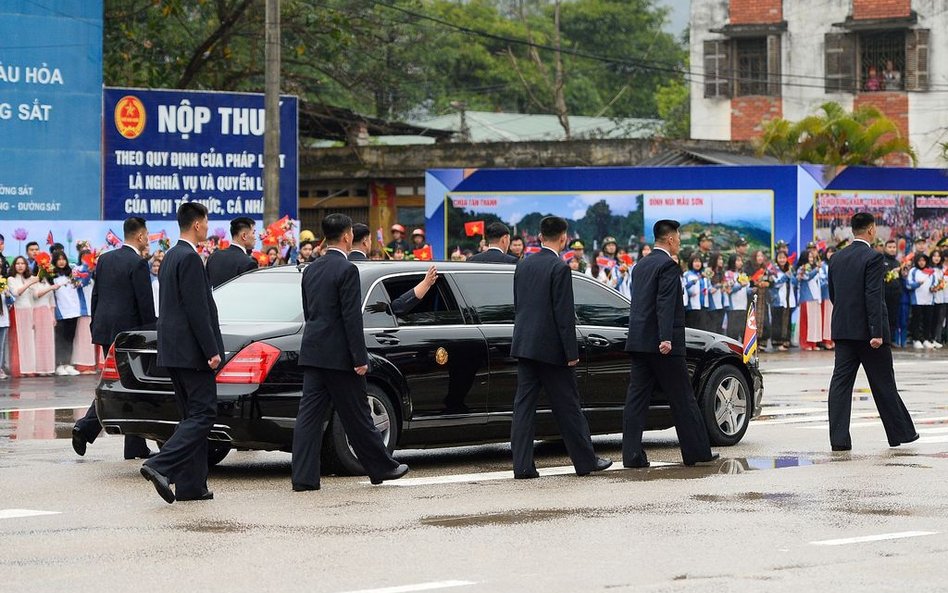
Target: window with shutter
[(716, 72), (773, 65), (916, 60), (840, 63)]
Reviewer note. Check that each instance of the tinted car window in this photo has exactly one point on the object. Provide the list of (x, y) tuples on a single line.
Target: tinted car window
[(378, 312), (599, 305), (490, 295), (261, 298), (437, 308)]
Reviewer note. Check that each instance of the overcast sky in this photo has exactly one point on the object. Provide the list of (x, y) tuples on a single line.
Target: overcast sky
[(678, 18)]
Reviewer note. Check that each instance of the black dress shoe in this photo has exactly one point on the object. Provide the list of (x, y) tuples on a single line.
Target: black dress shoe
[(637, 461), (842, 447), (78, 442), (147, 455), (304, 487), (527, 475), (911, 439), (396, 473), (208, 495), (714, 457), (601, 464), (162, 486)]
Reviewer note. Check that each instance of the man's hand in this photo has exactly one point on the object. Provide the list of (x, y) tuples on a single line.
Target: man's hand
[(431, 276), (361, 370), (214, 362), (665, 347), (572, 363), (875, 342)]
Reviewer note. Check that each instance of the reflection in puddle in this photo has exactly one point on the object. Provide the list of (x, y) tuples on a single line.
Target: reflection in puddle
[(733, 465), (41, 423)]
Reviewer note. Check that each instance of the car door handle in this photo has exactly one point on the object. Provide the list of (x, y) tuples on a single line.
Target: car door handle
[(598, 341), (386, 339)]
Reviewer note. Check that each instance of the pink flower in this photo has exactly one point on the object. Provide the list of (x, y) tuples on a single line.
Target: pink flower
[(20, 234)]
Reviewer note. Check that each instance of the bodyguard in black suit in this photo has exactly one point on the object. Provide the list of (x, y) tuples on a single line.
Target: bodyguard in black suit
[(225, 264), (335, 361), (657, 345), (361, 242), (121, 301), (498, 241), (190, 348), (544, 341), (860, 330)]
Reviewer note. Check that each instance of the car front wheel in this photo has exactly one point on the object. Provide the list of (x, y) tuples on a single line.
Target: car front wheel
[(726, 405), (340, 453)]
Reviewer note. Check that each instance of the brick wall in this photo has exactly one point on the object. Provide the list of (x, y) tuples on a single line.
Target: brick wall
[(881, 9), (747, 12), (749, 113), (895, 107)]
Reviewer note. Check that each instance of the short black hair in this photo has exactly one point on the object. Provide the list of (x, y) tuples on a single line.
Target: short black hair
[(241, 224), (31, 243), (552, 227), (133, 225), (360, 231), (57, 247), (1, 237), (919, 257), (861, 221), (496, 231), (664, 227), (189, 213), (893, 241), (516, 238), (307, 243), (335, 225)]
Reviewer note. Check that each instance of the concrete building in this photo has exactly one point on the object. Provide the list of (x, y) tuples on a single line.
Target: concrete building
[(758, 59)]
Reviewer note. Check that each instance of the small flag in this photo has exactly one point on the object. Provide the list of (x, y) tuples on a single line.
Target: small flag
[(750, 332), (568, 255), (531, 250), (757, 275), (112, 239), (152, 237), (423, 254), (605, 262), (474, 228), (379, 236), (792, 258), (49, 238), (626, 259), (821, 245)]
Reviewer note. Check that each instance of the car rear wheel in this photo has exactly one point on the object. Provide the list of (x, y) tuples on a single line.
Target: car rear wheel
[(726, 405), (340, 454)]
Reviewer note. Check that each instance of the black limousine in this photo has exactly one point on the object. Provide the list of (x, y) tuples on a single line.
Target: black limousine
[(440, 375)]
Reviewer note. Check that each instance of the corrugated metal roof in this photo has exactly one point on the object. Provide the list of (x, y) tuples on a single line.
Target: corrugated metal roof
[(680, 157), (486, 126)]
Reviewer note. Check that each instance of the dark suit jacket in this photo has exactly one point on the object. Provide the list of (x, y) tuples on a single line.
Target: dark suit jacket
[(855, 287), (189, 333), (493, 256), (544, 315), (121, 295), (332, 308), (225, 264), (657, 313), (357, 256)]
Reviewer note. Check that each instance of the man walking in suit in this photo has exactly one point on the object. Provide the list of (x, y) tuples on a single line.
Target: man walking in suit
[(121, 300), (860, 328), (225, 264), (544, 341), (657, 345), (335, 361), (190, 348), (361, 242), (498, 241)]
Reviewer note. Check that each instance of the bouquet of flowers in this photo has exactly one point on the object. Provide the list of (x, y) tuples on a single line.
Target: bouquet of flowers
[(44, 265), (3, 284), (892, 275), (939, 286), (742, 279)]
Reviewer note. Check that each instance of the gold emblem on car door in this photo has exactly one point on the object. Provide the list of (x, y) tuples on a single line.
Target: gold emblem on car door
[(441, 356)]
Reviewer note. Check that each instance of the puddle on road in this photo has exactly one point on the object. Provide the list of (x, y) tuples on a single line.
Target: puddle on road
[(733, 465), (510, 518), (39, 424), (214, 527)]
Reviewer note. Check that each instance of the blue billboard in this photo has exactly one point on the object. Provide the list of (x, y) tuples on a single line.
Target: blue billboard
[(50, 105), (165, 147)]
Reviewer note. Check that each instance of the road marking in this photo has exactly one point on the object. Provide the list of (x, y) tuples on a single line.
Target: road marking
[(503, 475), (872, 538), (18, 513), (828, 367), (789, 411), (418, 587), (11, 410), (931, 440)]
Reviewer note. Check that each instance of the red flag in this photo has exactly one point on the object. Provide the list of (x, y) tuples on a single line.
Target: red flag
[(568, 255), (531, 250), (757, 275), (475, 227), (750, 332), (626, 259), (49, 238), (821, 245), (152, 237), (112, 239), (263, 260), (424, 254), (605, 262), (792, 258)]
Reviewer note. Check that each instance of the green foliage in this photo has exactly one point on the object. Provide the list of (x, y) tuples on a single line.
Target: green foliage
[(673, 101), (836, 137), (365, 56)]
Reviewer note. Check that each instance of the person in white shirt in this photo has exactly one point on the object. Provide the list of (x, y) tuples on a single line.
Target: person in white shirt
[(919, 283), (68, 310)]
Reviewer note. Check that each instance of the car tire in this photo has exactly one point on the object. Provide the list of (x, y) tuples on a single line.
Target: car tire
[(726, 404), (216, 452), (339, 453)]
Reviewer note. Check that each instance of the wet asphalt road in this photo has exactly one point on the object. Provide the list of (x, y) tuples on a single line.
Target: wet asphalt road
[(779, 513)]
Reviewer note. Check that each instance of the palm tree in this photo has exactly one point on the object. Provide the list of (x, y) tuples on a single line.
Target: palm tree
[(836, 137)]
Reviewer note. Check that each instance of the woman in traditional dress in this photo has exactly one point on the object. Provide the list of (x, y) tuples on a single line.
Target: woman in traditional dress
[(22, 342)]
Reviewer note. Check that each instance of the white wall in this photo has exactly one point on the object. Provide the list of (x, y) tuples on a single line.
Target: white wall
[(928, 112), (710, 118)]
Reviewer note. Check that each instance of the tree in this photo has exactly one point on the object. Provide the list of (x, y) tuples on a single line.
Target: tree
[(837, 138)]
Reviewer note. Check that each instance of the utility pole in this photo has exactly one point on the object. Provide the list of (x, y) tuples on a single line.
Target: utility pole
[(271, 135)]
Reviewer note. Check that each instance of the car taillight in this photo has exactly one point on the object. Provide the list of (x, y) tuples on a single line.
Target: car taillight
[(250, 365), (736, 348), (110, 368)]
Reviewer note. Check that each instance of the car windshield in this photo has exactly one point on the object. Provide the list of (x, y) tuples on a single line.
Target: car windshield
[(268, 297)]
